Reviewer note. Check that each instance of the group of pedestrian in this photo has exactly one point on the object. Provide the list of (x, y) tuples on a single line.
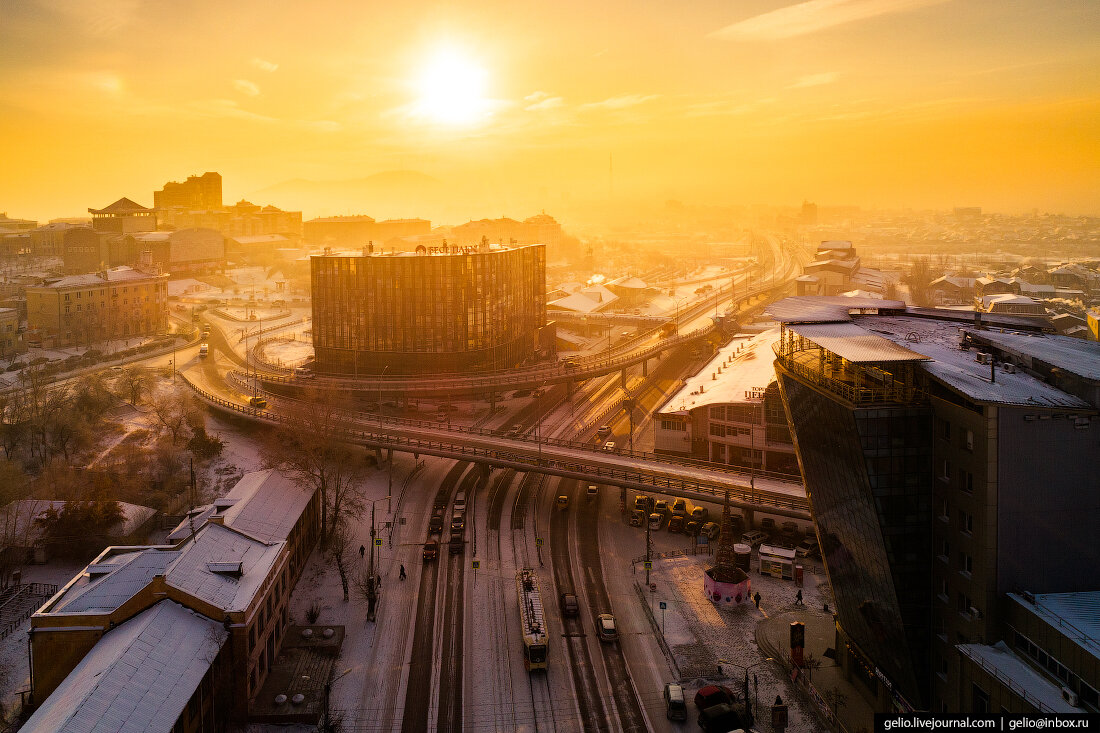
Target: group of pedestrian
[(797, 599), (363, 552)]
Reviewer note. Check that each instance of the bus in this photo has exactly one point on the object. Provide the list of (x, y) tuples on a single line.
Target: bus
[(536, 641)]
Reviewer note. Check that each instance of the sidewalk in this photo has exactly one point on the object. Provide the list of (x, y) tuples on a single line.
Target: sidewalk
[(773, 635)]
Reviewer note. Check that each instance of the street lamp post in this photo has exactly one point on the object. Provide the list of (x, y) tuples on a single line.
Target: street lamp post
[(327, 724), (372, 578), (745, 688), (384, 370)]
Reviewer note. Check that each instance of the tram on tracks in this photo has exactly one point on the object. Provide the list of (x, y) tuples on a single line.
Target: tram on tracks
[(536, 642)]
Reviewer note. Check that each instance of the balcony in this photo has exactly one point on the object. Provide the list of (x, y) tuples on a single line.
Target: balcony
[(860, 384)]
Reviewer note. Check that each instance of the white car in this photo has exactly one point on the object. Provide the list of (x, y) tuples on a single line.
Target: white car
[(754, 537)]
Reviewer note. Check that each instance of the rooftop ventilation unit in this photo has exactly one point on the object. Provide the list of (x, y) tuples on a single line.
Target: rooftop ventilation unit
[(235, 569)]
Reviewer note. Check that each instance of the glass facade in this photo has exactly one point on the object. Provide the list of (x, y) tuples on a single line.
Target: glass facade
[(425, 313), (868, 473)]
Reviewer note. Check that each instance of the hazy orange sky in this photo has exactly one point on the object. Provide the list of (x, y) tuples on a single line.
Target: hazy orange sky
[(870, 102)]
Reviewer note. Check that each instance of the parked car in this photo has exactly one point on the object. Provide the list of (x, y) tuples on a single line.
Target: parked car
[(711, 530), (569, 605), (661, 507), (713, 695), (754, 537), (637, 518), (681, 507), (605, 627), (768, 525), (691, 529), (700, 514), (431, 550), (656, 521), (675, 705), (643, 503), (719, 719), (676, 524), (592, 492), (303, 373), (562, 502), (807, 547)]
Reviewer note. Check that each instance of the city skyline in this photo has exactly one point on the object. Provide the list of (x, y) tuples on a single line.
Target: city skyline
[(876, 103)]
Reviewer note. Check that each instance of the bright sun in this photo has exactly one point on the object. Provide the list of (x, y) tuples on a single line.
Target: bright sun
[(451, 90)]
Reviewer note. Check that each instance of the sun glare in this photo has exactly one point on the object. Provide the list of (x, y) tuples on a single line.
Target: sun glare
[(451, 90)]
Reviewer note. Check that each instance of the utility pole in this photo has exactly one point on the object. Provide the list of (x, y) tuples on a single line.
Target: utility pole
[(372, 590), (648, 552)]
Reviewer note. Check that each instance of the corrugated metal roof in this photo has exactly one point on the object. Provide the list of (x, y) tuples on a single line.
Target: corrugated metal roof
[(1077, 615), (825, 308), (1022, 678), (850, 341), (138, 677), (1075, 356)]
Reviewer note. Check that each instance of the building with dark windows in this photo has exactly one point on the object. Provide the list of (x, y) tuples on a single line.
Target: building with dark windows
[(445, 309), (357, 231), (731, 411), (946, 457), (196, 193)]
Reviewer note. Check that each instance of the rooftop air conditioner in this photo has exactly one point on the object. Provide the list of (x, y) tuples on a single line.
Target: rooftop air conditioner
[(1009, 368), (1070, 696)]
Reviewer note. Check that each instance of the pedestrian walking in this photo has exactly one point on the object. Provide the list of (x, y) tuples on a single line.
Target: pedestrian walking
[(402, 572), (798, 598), (756, 599), (362, 551)]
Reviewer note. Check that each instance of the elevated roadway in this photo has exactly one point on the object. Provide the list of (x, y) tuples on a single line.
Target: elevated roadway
[(585, 462)]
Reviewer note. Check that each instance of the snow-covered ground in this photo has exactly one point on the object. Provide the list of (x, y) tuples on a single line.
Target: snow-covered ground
[(290, 350)]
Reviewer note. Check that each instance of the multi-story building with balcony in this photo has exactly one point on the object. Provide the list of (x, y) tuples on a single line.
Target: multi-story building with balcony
[(445, 309), (946, 460)]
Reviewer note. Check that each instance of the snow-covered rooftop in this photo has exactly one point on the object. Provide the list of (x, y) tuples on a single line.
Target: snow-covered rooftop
[(1077, 615), (939, 341), (1068, 354), (120, 573), (114, 275), (1018, 676), (855, 343), (825, 308), (263, 504), (138, 677), (747, 368)]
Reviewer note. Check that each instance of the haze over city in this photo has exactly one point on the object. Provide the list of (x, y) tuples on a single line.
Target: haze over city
[(875, 103), (577, 367)]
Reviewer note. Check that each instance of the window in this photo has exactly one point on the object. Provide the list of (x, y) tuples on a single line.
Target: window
[(966, 563), (943, 428), (945, 510), (945, 470), (979, 701), (945, 550), (968, 440), (966, 481), (944, 591), (966, 522)]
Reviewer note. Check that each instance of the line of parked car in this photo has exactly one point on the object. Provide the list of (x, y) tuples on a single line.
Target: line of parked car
[(436, 526)]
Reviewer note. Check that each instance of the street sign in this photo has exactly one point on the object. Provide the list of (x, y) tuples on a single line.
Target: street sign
[(476, 564), (538, 542), (377, 541), (663, 605), (647, 565)]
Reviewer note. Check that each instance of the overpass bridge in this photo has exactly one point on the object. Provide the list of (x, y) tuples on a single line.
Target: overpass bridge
[(649, 345), (635, 471)]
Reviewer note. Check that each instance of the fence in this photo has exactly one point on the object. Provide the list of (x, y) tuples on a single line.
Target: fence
[(20, 603)]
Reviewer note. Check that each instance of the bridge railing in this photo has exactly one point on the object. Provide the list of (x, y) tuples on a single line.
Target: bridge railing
[(506, 455)]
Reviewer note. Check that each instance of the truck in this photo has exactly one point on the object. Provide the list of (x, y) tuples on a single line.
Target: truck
[(204, 350)]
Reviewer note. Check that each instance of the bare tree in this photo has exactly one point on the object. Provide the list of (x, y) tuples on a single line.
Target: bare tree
[(133, 383), (338, 545), (171, 411), (309, 448)]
